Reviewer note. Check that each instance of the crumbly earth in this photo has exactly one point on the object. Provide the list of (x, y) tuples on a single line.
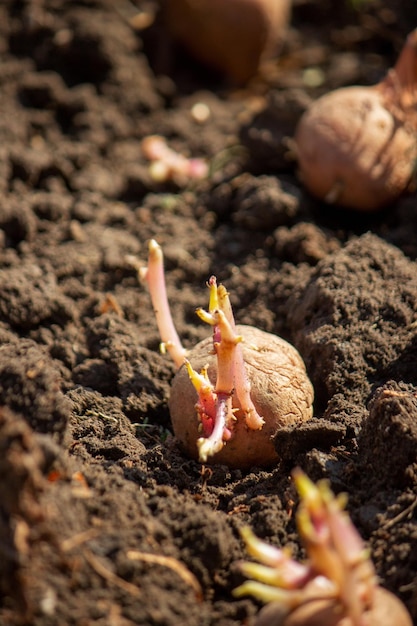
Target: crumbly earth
[(103, 519)]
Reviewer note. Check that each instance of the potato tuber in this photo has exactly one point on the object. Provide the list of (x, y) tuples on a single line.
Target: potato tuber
[(231, 36), (280, 390), (335, 586), (233, 391), (356, 146), (386, 610)]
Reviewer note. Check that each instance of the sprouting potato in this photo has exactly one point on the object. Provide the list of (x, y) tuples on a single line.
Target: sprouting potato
[(335, 585), (232, 392), (386, 610), (279, 387), (357, 146)]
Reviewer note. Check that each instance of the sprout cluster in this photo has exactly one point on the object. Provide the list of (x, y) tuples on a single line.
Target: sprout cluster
[(337, 576)]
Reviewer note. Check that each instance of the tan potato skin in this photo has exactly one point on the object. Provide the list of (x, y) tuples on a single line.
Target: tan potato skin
[(387, 610), (280, 389), (353, 151), (229, 35)]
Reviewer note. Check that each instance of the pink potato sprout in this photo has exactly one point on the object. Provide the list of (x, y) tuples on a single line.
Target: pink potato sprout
[(168, 165), (335, 586), (233, 391)]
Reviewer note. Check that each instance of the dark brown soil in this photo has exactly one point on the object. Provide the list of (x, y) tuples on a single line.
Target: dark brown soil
[(90, 473)]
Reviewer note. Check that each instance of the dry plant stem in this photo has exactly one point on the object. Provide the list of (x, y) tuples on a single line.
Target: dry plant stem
[(153, 274), (77, 540), (175, 565), (110, 576)]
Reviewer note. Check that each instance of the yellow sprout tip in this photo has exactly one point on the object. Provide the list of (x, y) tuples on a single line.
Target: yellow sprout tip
[(305, 487), (154, 249), (213, 300)]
